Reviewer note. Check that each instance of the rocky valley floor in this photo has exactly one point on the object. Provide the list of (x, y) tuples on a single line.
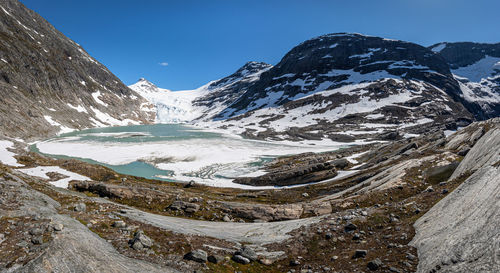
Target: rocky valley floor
[(409, 205)]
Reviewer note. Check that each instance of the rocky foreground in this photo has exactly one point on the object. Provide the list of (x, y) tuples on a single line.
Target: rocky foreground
[(423, 204)]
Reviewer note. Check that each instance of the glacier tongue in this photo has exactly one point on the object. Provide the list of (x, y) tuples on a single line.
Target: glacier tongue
[(171, 106)]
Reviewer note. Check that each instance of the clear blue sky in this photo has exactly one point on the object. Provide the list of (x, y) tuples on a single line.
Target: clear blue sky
[(205, 40)]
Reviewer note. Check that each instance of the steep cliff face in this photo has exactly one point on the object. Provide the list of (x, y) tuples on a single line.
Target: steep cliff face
[(49, 84)]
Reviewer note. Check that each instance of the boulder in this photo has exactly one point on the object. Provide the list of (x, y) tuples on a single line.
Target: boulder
[(340, 163), (37, 240), (215, 259), (197, 255), (247, 253), (350, 227), (119, 224), (58, 227), (184, 206), (80, 207), (375, 264), (141, 239), (359, 253), (240, 259)]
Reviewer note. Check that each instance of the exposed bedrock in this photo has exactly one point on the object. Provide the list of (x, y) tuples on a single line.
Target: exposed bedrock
[(460, 233)]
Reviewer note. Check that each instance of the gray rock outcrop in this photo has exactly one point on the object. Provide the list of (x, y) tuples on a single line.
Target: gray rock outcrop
[(460, 233), (74, 248)]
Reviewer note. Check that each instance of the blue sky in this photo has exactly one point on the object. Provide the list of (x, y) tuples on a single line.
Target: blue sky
[(184, 44)]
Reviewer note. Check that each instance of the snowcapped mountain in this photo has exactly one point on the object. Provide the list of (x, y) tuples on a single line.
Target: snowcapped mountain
[(477, 69), (50, 85), (344, 87), (169, 106), (201, 103)]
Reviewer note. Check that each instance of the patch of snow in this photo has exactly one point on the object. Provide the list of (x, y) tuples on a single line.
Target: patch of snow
[(289, 75), (407, 64), (482, 69), (487, 94), (439, 47), (78, 108), (106, 118), (63, 129), (6, 156), (6, 11), (42, 171), (409, 135), (449, 132), (96, 96), (51, 121), (374, 116)]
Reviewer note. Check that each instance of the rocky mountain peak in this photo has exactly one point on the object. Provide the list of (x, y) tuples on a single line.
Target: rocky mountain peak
[(248, 72), (145, 86), (335, 60), (252, 67)]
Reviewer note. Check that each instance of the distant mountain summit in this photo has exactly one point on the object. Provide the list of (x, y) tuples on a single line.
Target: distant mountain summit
[(49, 84)]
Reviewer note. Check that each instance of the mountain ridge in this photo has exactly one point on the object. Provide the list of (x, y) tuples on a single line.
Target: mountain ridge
[(318, 84), (49, 84)]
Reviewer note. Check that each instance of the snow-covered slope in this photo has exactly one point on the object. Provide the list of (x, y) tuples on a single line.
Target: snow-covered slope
[(477, 68), (348, 84), (170, 106), (202, 103)]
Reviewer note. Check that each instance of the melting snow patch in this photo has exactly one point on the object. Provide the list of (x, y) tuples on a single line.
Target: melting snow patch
[(42, 171), (6, 156), (78, 108), (63, 129), (51, 121), (96, 96)]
